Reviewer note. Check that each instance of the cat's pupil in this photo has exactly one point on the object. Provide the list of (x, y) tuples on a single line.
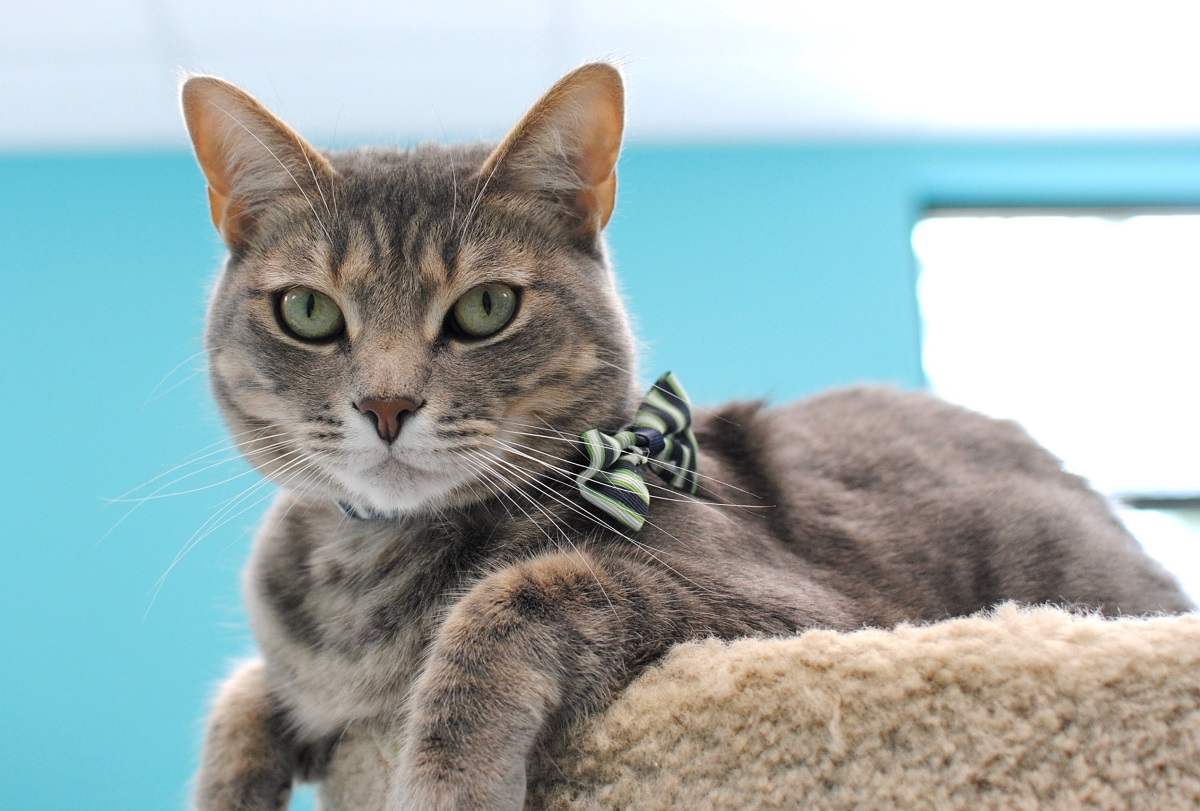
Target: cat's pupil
[(487, 302), (310, 305)]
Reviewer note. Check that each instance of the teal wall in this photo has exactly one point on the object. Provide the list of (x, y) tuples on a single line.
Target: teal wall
[(751, 269)]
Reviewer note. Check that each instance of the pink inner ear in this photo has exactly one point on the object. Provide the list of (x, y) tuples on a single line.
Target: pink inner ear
[(595, 203), (569, 142), (246, 153), (601, 136)]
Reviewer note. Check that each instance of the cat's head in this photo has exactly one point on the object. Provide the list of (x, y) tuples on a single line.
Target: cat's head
[(390, 323)]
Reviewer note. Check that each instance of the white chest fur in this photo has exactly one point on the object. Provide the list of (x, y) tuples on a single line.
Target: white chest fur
[(340, 623)]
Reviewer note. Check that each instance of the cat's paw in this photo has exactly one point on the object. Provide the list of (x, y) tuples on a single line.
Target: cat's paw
[(459, 787), (244, 791)]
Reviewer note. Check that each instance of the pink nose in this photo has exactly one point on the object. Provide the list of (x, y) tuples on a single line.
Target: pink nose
[(388, 414)]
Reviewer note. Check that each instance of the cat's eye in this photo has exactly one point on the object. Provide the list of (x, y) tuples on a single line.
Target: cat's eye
[(310, 315), (484, 310)]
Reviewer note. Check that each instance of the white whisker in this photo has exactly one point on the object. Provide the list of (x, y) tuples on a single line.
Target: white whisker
[(217, 520), (467, 220), (581, 443), (174, 369), (226, 445), (570, 475), (479, 477), (645, 549), (138, 502), (156, 495), (565, 537)]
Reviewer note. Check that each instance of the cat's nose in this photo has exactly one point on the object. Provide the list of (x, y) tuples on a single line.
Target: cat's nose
[(388, 414)]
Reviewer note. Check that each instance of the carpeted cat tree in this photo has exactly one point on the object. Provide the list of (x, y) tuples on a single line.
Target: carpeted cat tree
[(1018, 708)]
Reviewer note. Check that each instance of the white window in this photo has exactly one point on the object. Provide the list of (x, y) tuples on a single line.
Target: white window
[(1083, 325)]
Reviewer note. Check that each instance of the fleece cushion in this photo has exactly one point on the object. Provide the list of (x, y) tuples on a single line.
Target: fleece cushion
[(1014, 708)]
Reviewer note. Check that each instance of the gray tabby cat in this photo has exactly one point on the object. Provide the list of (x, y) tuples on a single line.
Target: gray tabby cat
[(423, 335)]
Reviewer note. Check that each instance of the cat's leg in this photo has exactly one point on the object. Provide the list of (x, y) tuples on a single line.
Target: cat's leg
[(533, 645), (248, 763)]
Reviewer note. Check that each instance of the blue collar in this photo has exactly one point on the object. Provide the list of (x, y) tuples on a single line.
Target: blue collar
[(350, 511)]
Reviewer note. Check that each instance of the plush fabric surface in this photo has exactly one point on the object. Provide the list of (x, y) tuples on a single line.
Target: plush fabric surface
[(1018, 708)]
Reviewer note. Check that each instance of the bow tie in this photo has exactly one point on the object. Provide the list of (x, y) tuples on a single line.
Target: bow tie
[(660, 437)]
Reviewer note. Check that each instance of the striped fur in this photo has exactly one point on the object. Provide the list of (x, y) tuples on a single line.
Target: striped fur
[(660, 437), (492, 611)]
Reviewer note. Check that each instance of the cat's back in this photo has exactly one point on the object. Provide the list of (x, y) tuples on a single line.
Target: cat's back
[(887, 439), (932, 508), (876, 441)]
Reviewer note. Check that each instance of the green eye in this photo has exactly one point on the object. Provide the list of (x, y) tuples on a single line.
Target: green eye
[(309, 315), (484, 310)]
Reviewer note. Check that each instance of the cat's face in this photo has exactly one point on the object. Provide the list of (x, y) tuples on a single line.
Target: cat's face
[(392, 324)]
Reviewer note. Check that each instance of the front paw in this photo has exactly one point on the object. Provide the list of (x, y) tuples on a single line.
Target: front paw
[(425, 784), (265, 790)]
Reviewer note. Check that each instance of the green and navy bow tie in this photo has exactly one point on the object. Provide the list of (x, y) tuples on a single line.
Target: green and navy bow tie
[(660, 437)]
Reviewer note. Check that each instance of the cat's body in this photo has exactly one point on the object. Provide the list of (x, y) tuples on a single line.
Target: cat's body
[(884, 507), (482, 605)]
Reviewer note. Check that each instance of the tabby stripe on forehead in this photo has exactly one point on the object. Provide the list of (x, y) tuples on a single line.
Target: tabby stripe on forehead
[(381, 250), (414, 239), (450, 249), (339, 247), (370, 233)]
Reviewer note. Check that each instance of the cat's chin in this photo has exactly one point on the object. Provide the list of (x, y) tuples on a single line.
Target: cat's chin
[(397, 487)]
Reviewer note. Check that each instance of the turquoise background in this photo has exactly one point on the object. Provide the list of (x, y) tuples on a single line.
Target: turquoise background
[(752, 270)]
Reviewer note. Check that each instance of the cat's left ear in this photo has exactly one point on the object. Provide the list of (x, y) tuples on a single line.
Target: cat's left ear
[(565, 148)]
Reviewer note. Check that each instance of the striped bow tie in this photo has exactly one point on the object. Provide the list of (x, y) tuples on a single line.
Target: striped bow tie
[(660, 437)]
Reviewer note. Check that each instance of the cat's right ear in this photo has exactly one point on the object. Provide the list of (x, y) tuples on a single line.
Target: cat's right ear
[(565, 149), (249, 157)]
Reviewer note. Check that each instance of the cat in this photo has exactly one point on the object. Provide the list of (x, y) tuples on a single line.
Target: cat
[(411, 342)]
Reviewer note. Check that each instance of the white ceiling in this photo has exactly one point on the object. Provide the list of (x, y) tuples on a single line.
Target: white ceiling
[(105, 73)]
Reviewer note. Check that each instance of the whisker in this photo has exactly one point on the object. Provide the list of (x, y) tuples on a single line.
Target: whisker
[(562, 532), (174, 369), (181, 382), (479, 478), (616, 366), (570, 478), (226, 445), (159, 494), (156, 495), (310, 481), (530, 517), (313, 172), (454, 188), (571, 475), (645, 549), (470, 485), (140, 501), (581, 443), (238, 498), (467, 220), (217, 520), (288, 485)]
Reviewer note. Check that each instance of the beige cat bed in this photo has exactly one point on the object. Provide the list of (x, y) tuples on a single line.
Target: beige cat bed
[(1019, 708)]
